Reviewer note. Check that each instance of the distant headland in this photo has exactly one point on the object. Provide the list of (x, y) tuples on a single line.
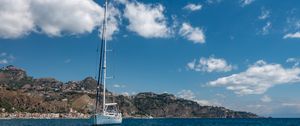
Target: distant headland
[(22, 96)]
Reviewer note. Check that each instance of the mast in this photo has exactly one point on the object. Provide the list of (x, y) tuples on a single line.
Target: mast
[(102, 65), (104, 56), (103, 118)]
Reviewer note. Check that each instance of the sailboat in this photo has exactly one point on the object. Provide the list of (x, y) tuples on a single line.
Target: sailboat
[(109, 115)]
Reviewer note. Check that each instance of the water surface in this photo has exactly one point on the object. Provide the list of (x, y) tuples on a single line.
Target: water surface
[(156, 122)]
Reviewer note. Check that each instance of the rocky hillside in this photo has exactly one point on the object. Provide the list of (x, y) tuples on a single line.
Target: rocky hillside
[(22, 93)]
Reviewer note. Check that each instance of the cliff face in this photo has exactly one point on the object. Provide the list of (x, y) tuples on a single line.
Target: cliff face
[(19, 92), (13, 77), (167, 105)]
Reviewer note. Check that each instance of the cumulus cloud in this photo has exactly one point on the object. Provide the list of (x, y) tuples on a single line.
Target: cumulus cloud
[(210, 64), (246, 2), (147, 20), (15, 18), (194, 34), (266, 99), (186, 94), (193, 7), (264, 14), (292, 35), (52, 17), (55, 17), (258, 78), (190, 95), (6, 58)]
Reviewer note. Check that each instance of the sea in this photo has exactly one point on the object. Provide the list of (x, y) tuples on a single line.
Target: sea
[(157, 122)]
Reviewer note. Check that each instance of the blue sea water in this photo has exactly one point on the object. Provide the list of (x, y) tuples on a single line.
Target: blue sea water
[(156, 122)]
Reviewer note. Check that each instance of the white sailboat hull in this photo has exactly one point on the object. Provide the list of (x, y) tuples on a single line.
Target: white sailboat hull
[(100, 119)]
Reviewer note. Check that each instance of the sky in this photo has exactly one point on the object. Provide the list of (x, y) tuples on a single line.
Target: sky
[(240, 54)]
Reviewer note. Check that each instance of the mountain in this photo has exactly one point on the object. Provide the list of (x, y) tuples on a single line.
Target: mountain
[(22, 93)]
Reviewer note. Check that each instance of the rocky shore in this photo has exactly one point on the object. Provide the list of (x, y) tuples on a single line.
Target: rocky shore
[(26, 115)]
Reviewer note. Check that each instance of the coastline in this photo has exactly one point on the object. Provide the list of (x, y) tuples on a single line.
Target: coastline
[(25, 115), (58, 116)]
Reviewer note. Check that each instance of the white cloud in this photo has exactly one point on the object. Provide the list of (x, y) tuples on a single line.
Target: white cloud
[(119, 86), (260, 109), (264, 14), (296, 61), (195, 35), (246, 2), (3, 61), (210, 64), (15, 19), (192, 65), (288, 104), (213, 1), (193, 7), (133, 93), (256, 106), (258, 78), (6, 58), (186, 94), (113, 21), (206, 103), (282, 108), (190, 95), (147, 20), (266, 99), (292, 28), (265, 30), (292, 23), (52, 17), (125, 94), (292, 35), (55, 17), (293, 106), (292, 60)]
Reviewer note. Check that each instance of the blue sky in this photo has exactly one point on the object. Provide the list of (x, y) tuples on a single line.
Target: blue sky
[(241, 54)]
